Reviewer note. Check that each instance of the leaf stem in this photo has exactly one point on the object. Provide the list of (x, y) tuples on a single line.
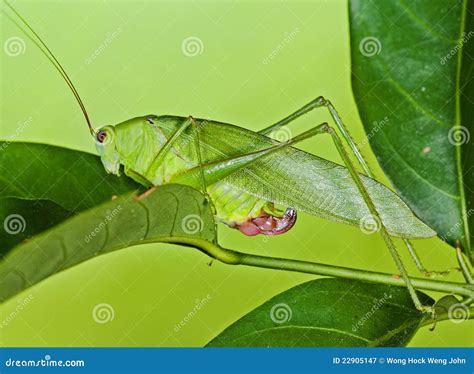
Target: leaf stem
[(445, 316), (463, 265), (232, 257)]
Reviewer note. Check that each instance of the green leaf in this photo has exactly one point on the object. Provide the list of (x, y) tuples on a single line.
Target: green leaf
[(172, 214), (23, 219), (73, 180), (42, 185), (328, 313), (466, 86), (412, 79)]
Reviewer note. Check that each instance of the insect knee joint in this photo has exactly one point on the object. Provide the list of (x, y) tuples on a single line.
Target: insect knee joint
[(326, 128), (322, 101)]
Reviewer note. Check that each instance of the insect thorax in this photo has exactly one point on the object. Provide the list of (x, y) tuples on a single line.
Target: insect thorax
[(140, 154)]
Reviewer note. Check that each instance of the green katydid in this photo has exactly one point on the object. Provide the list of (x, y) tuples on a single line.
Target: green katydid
[(247, 174)]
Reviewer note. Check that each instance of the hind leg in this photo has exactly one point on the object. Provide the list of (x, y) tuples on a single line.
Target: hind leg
[(321, 102)]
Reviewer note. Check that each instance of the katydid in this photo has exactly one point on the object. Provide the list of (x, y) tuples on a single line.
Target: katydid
[(247, 175)]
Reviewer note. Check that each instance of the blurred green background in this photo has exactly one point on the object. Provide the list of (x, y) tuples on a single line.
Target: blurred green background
[(255, 63)]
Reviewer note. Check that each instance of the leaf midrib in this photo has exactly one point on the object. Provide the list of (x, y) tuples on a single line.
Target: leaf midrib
[(458, 125)]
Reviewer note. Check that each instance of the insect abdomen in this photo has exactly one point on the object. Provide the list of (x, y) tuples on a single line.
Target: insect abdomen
[(234, 206)]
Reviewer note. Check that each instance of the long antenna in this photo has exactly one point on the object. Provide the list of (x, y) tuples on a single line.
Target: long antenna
[(50, 56)]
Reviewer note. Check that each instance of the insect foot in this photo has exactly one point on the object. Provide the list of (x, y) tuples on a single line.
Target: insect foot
[(440, 273), (269, 225), (321, 101), (428, 309)]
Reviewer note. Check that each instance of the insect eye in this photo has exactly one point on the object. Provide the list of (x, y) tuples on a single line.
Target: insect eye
[(101, 136)]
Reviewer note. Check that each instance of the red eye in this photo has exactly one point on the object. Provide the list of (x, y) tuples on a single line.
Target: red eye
[(101, 136)]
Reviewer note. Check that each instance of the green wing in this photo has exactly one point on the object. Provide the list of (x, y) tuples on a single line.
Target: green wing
[(297, 179)]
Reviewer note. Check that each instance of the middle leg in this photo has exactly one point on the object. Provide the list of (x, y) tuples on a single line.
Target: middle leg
[(322, 102)]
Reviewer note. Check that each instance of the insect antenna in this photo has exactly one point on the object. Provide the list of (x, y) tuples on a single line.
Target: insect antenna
[(50, 56)]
